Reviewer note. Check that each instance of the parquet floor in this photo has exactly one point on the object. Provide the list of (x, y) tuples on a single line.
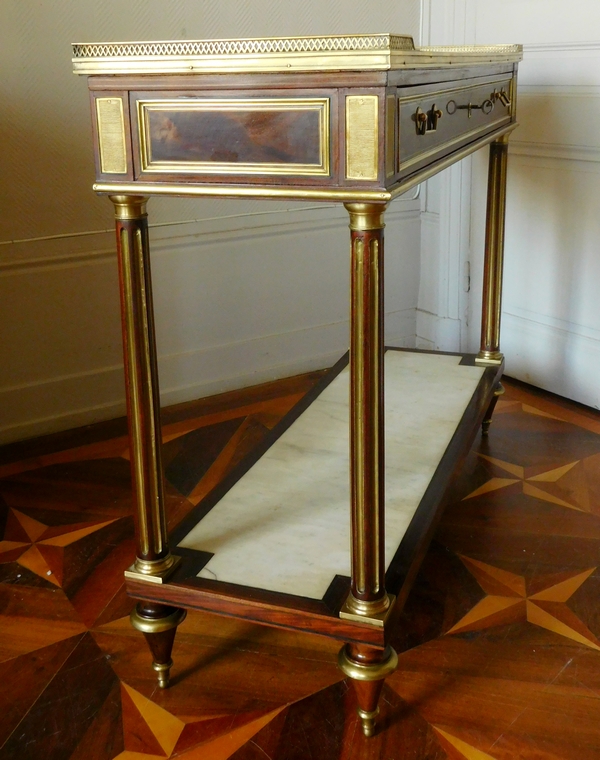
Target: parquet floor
[(499, 643)]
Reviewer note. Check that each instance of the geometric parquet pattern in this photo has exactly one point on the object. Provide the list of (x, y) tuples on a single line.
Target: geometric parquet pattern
[(499, 643)]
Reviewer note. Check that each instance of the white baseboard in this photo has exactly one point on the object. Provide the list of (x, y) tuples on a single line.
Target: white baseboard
[(437, 333), (551, 357), (183, 376)]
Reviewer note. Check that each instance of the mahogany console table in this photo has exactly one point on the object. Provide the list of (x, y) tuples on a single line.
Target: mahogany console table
[(355, 119)]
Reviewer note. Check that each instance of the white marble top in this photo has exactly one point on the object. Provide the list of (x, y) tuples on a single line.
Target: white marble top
[(285, 525)]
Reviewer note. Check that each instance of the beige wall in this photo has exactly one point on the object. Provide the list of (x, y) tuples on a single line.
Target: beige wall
[(235, 281)]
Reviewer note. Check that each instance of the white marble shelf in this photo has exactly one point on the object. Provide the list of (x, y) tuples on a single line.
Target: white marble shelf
[(285, 525)]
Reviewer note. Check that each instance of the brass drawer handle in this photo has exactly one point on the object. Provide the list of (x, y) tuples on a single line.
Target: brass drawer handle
[(487, 107), (427, 122), (502, 96)]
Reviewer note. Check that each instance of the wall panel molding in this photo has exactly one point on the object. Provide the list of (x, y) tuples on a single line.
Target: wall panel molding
[(61, 250), (557, 152), (194, 267), (546, 49)]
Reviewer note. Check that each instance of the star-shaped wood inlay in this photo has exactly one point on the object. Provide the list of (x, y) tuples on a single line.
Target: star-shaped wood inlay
[(541, 485), (459, 748), (38, 547), (542, 601)]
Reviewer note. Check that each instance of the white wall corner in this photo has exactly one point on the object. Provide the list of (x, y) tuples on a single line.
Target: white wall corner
[(445, 248)]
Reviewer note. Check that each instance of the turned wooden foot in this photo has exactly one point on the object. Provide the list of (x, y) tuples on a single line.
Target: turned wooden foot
[(487, 420), (159, 624), (367, 668)]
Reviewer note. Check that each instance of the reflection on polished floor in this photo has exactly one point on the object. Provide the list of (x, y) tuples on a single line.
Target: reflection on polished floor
[(499, 643)]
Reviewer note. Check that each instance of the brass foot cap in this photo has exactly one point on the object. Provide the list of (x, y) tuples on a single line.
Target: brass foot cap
[(367, 718), (163, 670)]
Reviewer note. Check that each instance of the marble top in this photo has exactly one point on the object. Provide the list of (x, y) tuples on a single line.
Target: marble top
[(357, 52), (285, 525)]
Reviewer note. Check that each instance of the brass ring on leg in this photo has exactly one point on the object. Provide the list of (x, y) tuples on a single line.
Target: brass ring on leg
[(375, 671), (156, 625)]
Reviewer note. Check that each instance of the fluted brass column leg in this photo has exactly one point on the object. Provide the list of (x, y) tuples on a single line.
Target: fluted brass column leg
[(494, 255), (489, 353), (368, 600), (153, 562)]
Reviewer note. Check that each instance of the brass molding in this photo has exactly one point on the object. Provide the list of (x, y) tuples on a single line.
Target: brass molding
[(321, 106), (156, 625), (357, 52), (111, 135), (239, 191), (363, 672), (372, 613), (157, 571), (390, 135), (128, 207), (366, 216), (489, 358)]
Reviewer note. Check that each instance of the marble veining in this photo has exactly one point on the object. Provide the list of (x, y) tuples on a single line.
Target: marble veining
[(285, 526)]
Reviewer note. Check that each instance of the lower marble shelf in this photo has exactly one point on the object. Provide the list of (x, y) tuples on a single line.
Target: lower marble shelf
[(285, 525), (272, 543)]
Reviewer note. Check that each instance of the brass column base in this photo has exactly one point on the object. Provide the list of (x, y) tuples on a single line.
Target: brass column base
[(367, 668), (373, 613), (157, 571), (489, 358)]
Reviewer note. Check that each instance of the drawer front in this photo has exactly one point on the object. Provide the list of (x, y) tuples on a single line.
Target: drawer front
[(439, 122), (241, 138)]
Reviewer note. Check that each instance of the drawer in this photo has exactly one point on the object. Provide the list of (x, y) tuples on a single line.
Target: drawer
[(441, 121), (232, 136)]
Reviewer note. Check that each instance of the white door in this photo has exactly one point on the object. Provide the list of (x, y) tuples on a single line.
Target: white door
[(551, 307)]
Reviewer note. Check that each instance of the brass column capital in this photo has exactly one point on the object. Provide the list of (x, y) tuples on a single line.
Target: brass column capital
[(129, 206), (366, 216)]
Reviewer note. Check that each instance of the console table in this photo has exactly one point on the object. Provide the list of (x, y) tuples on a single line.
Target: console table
[(322, 533)]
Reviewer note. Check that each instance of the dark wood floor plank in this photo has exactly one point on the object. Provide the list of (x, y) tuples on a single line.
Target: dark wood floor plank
[(516, 555)]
